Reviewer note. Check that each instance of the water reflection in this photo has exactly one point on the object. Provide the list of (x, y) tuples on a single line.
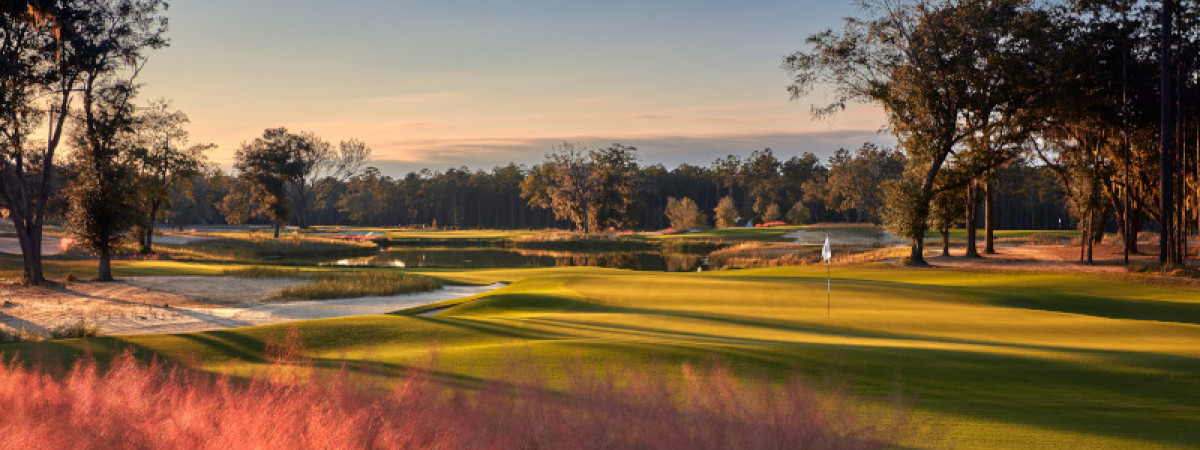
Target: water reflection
[(496, 258)]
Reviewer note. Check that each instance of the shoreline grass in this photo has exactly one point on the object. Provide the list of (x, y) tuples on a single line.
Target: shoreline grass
[(324, 285)]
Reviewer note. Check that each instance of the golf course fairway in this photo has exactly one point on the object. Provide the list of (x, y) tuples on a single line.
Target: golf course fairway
[(986, 359)]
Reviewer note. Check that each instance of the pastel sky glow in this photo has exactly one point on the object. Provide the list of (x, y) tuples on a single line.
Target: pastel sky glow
[(479, 83)]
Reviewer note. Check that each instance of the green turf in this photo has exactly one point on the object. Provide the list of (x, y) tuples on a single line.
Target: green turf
[(990, 359)]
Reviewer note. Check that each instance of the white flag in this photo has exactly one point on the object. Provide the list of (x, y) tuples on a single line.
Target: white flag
[(826, 254)]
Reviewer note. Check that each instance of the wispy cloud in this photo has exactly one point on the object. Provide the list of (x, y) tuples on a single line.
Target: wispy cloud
[(418, 98)]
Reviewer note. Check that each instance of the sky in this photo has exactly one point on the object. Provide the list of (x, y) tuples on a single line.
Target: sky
[(450, 83)]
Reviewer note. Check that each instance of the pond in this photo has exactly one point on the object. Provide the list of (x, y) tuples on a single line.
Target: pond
[(499, 257)]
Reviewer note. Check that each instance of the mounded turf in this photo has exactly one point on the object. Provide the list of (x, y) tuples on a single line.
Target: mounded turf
[(988, 359)]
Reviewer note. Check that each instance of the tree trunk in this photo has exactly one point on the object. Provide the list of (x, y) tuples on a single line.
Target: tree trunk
[(972, 249), (31, 254), (277, 226), (945, 242), (1088, 241), (989, 218), (29, 230), (105, 272), (1135, 228), (147, 243), (1098, 228), (1166, 244), (916, 255)]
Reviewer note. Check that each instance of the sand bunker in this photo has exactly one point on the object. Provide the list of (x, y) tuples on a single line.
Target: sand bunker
[(179, 304)]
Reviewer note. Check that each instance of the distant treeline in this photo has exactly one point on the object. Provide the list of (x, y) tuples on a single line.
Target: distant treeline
[(846, 187)]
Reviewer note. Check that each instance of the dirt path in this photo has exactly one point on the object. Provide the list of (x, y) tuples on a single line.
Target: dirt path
[(1031, 257), (178, 304)]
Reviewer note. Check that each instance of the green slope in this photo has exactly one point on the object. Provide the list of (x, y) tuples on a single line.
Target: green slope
[(990, 359)]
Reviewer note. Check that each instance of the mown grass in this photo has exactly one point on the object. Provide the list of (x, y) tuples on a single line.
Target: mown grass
[(993, 360)]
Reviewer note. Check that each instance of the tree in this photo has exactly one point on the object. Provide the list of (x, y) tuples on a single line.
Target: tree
[(772, 214), (102, 196), (320, 161), (614, 176), (163, 158), (727, 170), (562, 185), (683, 214), (922, 62), (365, 198), (798, 214), (760, 175), (49, 49), (726, 212), (268, 165), (850, 174), (947, 208), (593, 190)]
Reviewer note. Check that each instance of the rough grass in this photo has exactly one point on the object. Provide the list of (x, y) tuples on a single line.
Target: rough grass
[(79, 329), (341, 284), (328, 285)]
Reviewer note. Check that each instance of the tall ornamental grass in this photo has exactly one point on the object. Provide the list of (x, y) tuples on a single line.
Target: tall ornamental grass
[(148, 405)]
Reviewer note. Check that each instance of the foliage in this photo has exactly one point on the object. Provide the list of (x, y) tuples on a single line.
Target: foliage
[(103, 197), (79, 329), (320, 164), (850, 177), (946, 209), (798, 214), (163, 158), (760, 175), (53, 51), (941, 70), (772, 214), (906, 209), (594, 190), (725, 213), (683, 214), (269, 165)]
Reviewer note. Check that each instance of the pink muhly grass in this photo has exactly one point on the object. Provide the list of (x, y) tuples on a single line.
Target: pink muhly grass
[(136, 404)]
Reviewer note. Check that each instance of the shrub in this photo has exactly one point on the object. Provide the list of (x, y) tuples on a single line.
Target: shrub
[(79, 329), (726, 212), (683, 214), (772, 214), (20, 335), (799, 214)]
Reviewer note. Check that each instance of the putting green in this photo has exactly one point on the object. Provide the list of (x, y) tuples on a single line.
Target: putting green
[(992, 360)]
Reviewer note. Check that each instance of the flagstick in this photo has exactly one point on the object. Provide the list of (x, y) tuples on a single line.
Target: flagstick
[(828, 289)]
